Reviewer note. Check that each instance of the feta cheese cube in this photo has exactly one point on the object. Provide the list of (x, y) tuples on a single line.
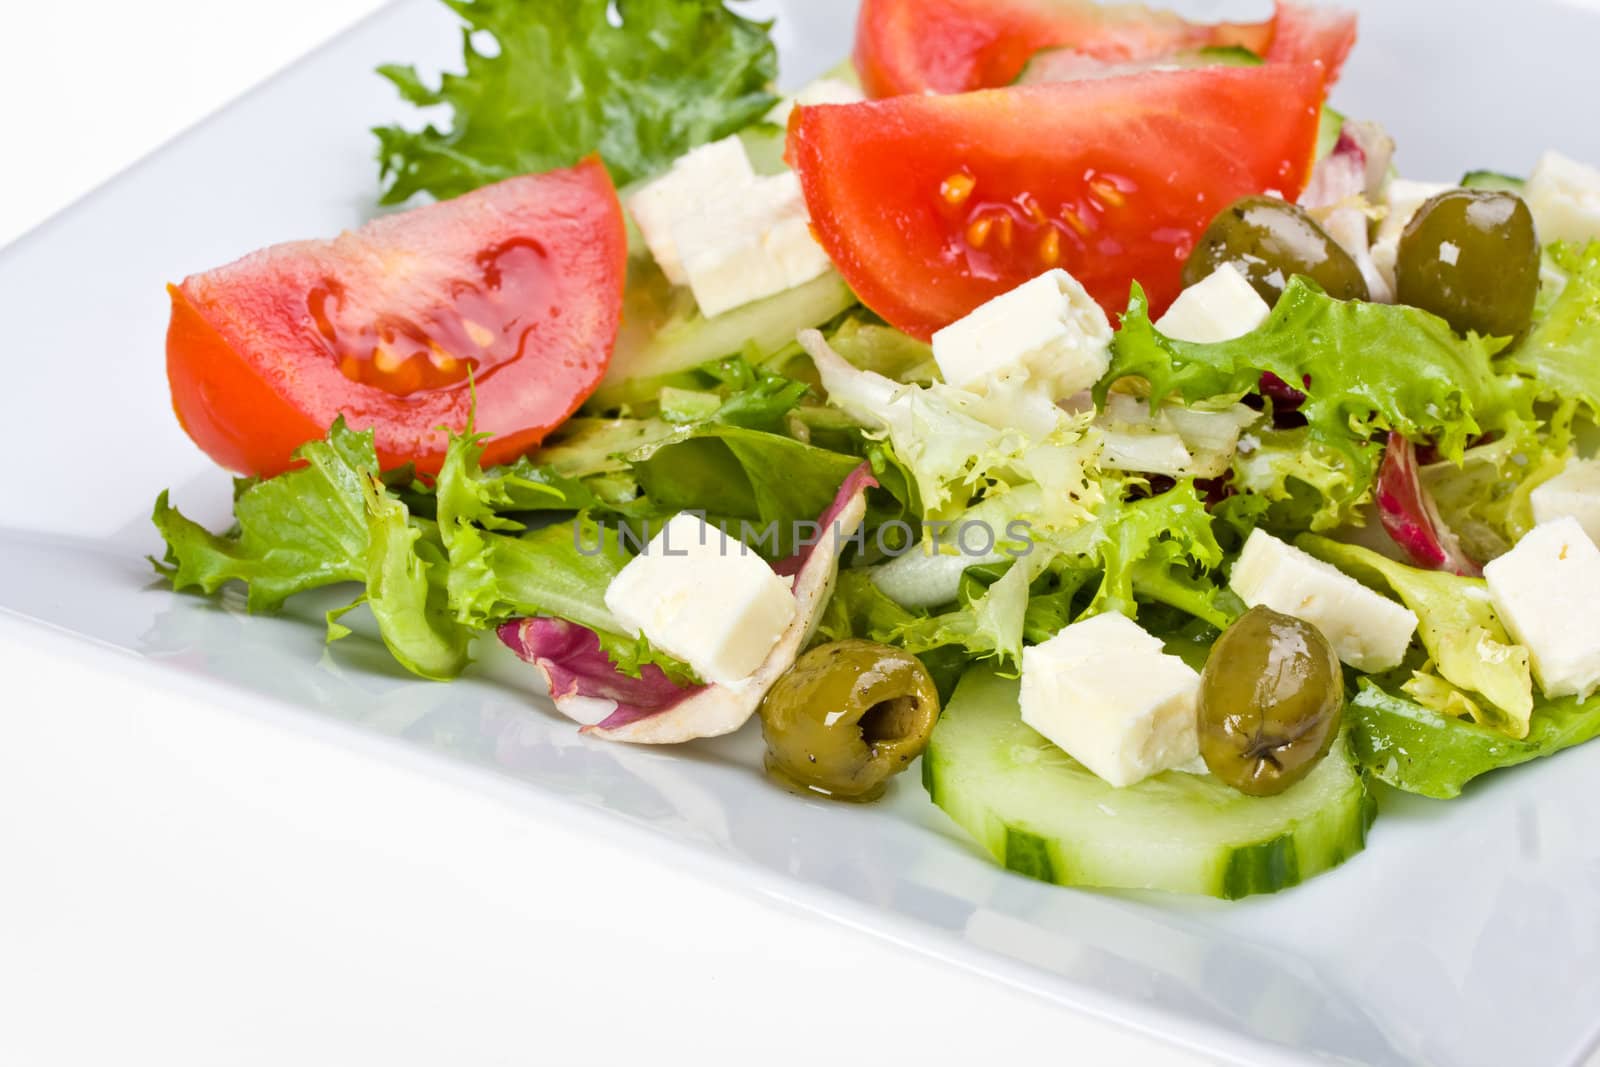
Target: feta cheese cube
[(822, 91), (750, 248), (1106, 693), (1047, 333), (712, 175), (1224, 307), (1404, 199), (1564, 196), (1547, 592), (1368, 631), (1574, 493), (707, 599)]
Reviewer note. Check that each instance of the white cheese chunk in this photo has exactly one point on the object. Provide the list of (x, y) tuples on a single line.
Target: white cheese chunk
[(1107, 694), (706, 599), (1224, 307), (1368, 631), (1047, 334), (821, 91), (749, 248), (712, 175), (1403, 199), (1574, 493), (1564, 196), (1547, 592)]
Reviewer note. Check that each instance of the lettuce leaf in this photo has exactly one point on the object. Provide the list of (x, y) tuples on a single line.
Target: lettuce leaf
[(301, 530), (1486, 499), (956, 445), (1153, 550), (329, 522), (1421, 751), (560, 571), (1288, 483), (407, 594), (1372, 368), (1469, 646), (1562, 354), (741, 475), (639, 81), (465, 493), (429, 584)]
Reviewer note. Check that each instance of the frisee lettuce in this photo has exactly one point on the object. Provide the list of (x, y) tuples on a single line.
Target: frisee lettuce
[(1371, 368), (428, 584), (1488, 675), (1562, 353), (638, 81), (329, 522)]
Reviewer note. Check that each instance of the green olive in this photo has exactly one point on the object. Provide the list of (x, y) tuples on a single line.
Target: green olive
[(848, 717), (1271, 700), (1471, 256), (1270, 241)]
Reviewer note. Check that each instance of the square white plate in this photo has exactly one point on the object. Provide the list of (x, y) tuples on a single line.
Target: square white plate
[(1468, 933)]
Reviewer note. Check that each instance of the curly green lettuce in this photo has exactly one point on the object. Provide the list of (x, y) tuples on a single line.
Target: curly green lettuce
[(638, 81), (1369, 369), (329, 522), (1562, 353), (1151, 550), (1475, 668)]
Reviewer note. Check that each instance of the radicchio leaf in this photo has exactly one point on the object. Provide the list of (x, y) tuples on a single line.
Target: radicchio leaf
[(1412, 518), (1340, 190), (652, 709)]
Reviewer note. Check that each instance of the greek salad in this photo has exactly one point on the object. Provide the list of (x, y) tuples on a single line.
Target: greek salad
[(1062, 402)]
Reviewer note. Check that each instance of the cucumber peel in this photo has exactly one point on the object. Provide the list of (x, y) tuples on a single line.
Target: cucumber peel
[(1042, 814)]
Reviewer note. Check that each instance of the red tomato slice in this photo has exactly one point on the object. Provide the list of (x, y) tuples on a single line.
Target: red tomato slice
[(1321, 35), (932, 205), (955, 46), (518, 284)]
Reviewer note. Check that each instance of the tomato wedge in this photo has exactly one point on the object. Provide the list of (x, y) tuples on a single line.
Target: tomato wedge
[(956, 46), (1304, 34), (514, 290), (932, 205)]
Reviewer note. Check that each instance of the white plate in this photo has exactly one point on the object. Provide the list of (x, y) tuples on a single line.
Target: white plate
[(1468, 933)]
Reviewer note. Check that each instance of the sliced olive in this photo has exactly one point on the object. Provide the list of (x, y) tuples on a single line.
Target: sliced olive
[(1471, 256), (847, 717), (1270, 241), (1271, 700)]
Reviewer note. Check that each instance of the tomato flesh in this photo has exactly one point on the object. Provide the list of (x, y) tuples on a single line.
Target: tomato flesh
[(513, 291), (932, 205), (1304, 34), (956, 46)]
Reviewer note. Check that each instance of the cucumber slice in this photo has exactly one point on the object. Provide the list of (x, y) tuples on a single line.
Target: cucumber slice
[(1069, 65), (1488, 179), (663, 333), (1042, 814)]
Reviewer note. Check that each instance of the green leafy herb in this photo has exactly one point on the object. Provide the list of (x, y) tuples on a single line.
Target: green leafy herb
[(638, 81)]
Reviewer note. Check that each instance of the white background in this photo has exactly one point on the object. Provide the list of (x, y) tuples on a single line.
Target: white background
[(183, 884)]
